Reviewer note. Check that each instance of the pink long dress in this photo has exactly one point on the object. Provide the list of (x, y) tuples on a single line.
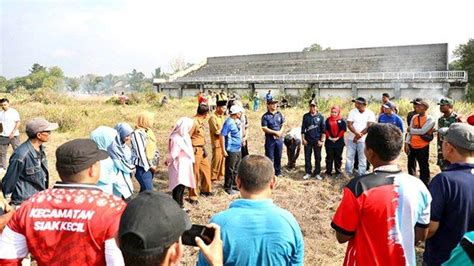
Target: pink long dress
[(181, 155)]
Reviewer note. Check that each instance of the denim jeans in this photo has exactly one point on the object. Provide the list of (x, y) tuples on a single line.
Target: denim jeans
[(352, 149), (145, 179), (273, 150)]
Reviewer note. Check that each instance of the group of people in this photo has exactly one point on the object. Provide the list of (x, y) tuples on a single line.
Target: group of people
[(317, 131), (384, 214), (91, 216)]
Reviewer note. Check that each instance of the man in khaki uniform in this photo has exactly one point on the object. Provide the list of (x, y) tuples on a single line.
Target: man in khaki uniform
[(215, 125), (202, 167)]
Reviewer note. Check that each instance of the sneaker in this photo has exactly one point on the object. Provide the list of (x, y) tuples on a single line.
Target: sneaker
[(306, 177), (318, 177), (230, 191)]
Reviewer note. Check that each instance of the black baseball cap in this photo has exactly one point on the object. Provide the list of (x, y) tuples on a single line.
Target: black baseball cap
[(420, 101), (360, 100), (272, 101), (416, 100), (155, 219), (77, 155)]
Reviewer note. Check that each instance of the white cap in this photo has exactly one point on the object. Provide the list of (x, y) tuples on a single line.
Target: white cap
[(236, 109)]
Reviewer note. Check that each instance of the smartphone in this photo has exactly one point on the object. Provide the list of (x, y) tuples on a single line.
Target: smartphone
[(205, 233)]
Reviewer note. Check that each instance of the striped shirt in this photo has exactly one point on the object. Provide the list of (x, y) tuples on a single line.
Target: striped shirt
[(138, 139)]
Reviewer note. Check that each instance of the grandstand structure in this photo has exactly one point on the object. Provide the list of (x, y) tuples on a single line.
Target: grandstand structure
[(403, 71)]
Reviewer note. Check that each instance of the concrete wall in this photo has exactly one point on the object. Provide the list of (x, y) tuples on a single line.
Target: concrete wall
[(410, 90), (431, 57)]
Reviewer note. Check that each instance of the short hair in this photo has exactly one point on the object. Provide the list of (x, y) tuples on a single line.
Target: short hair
[(130, 241), (202, 109), (73, 178), (31, 135), (4, 100), (255, 172), (385, 95), (385, 140)]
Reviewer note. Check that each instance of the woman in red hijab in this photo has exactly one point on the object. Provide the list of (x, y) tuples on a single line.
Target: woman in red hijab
[(335, 129)]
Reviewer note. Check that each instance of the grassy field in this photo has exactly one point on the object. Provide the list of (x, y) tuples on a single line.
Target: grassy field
[(312, 202)]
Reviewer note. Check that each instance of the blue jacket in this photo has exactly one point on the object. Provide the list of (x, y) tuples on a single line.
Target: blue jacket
[(312, 127), (27, 173)]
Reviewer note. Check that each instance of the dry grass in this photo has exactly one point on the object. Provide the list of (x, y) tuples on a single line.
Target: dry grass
[(312, 202)]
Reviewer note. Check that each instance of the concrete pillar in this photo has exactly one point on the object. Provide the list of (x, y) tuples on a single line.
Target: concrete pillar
[(396, 90), (354, 90), (446, 89), (252, 88)]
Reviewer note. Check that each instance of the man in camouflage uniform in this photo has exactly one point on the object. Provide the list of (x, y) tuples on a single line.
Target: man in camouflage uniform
[(448, 117)]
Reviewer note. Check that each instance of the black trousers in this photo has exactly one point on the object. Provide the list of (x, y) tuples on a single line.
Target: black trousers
[(421, 156), (411, 165), (356, 163), (334, 156), (178, 195), (244, 149), (293, 149), (232, 162), (308, 150)]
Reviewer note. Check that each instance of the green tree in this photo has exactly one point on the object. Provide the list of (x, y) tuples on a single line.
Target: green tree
[(464, 54), (3, 84), (315, 47), (89, 83), (15, 83), (37, 68), (55, 79), (136, 80), (108, 82), (158, 74), (72, 84)]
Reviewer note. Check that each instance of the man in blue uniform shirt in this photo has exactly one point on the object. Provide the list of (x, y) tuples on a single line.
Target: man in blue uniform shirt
[(312, 136), (389, 116), (452, 190), (273, 126)]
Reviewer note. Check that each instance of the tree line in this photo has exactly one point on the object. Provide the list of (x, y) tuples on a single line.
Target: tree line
[(53, 78)]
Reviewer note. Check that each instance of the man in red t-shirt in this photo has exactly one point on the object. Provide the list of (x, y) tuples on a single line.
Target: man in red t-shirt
[(383, 214), (73, 223)]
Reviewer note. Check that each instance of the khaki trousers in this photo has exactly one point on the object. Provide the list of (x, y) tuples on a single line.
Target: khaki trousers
[(218, 164), (202, 174)]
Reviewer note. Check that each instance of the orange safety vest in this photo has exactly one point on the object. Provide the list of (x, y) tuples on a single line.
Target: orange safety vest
[(416, 141)]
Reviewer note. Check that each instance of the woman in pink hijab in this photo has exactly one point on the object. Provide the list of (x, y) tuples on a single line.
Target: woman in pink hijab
[(180, 159)]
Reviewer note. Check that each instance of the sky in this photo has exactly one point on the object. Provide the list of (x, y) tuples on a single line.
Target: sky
[(116, 36)]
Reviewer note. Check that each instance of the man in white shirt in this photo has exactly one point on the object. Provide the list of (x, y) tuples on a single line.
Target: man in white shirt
[(292, 142), (358, 122), (10, 120)]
